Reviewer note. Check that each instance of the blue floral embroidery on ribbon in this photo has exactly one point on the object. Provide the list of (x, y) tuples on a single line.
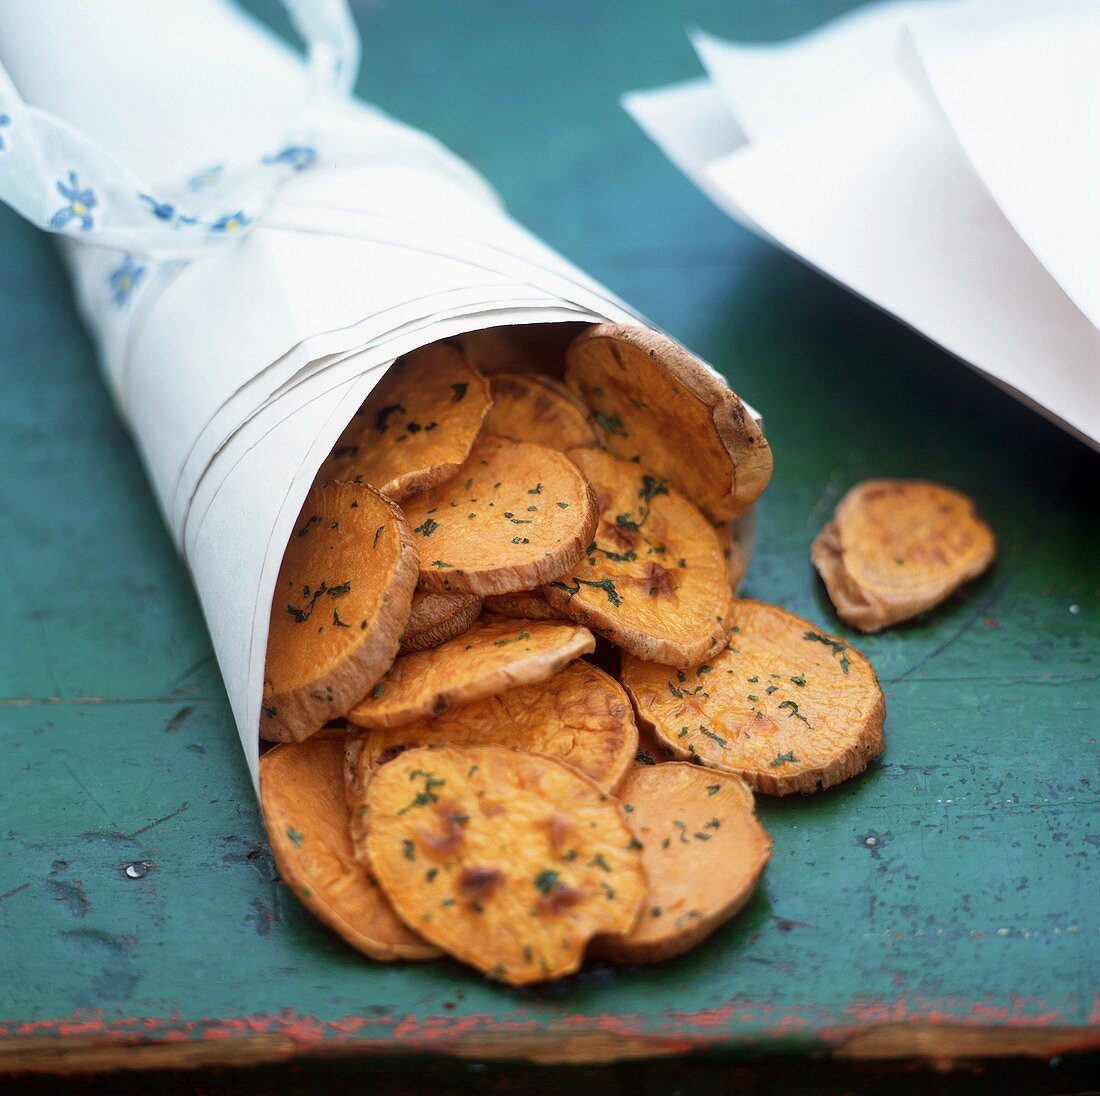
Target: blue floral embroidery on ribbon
[(208, 177), (299, 157), (82, 201), (231, 222), (5, 120), (165, 211), (124, 279)]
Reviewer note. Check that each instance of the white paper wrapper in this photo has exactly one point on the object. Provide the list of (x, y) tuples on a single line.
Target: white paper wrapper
[(936, 158), (238, 371)]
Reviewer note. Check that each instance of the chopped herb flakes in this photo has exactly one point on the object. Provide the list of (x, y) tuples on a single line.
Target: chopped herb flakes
[(793, 711), (783, 759), (545, 881), (611, 423), (838, 647), (604, 584), (717, 738)]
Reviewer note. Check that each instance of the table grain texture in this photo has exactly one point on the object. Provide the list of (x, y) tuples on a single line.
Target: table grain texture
[(944, 905)]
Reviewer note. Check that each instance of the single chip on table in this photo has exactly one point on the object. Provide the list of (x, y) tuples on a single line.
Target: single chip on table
[(518, 348), (513, 516), (786, 706), (489, 658), (435, 618), (704, 851), (341, 602), (508, 861), (660, 406), (653, 579), (524, 605), (302, 797), (415, 428), (580, 715), (540, 409), (895, 548)]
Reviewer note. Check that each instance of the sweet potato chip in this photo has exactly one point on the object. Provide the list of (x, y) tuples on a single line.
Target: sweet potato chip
[(580, 715), (302, 796), (898, 547), (703, 850), (524, 605), (509, 861), (731, 553), (341, 603), (653, 581), (515, 515), (537, 408), (491, 657), (660, 406), (415, 428), (785, 706), (435, 618), (518, 348)]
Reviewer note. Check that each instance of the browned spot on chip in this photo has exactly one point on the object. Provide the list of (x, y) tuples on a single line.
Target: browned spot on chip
[(508, 903), (704, 852), (653, 580), (301, 793), (515, 515), (435, 618), (415, 428), (341, 602), (898, 547), (491, 657), (539, 409), (659, 405), (785, 706)]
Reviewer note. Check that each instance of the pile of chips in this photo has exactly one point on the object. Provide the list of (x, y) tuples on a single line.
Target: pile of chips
[(522, 712)]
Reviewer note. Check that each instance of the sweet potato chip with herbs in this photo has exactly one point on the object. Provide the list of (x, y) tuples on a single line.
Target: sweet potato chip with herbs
[(703, 850), (341, 603), (540, 409), (524, 604), (514, 515), (302, 796), (653, 580), (785, 706), (491, 657), (509, 861), (435, 618), (898, 547), (580, 715), (660, 406), (415, 428)]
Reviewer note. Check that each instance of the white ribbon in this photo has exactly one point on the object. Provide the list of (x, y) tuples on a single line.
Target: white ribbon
[(66, 183)]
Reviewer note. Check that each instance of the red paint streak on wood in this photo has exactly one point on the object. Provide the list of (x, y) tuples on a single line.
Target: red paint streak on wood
[(758, 1019)]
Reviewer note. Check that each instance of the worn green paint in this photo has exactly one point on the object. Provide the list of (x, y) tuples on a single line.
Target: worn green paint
[(977, 900)]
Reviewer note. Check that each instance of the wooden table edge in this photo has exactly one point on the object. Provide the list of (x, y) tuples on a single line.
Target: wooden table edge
[(939, 1043)]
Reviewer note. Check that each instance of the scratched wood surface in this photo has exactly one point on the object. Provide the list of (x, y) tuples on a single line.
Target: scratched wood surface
[(943, 904)]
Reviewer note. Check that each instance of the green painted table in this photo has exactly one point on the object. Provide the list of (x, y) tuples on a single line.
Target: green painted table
[(946, 903)]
